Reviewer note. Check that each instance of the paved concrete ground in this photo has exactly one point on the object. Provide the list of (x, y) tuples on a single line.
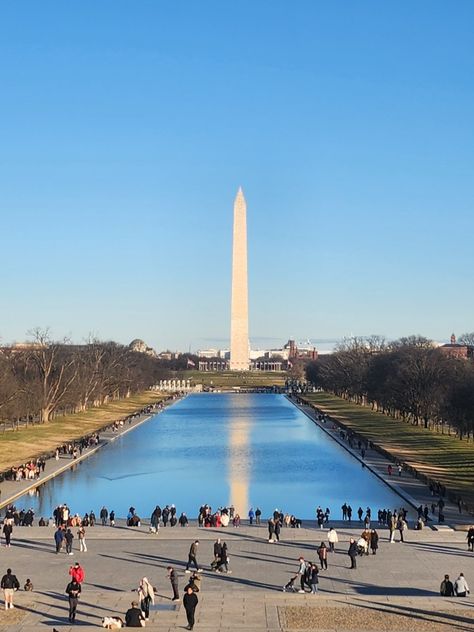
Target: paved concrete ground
[(401, 578)]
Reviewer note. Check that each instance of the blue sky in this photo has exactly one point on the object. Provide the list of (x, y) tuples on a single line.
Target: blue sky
[(127, 127)]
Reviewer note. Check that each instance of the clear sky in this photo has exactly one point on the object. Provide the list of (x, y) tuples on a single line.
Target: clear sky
[(126, 128)]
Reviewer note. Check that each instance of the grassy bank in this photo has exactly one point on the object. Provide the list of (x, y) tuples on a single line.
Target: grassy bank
[(18, 447), (229, 379), (440, 457)]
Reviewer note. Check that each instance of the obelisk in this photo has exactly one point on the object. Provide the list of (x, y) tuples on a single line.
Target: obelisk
[(239, 323)]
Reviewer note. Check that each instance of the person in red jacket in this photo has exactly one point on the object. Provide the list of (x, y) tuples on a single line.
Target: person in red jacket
[(77, 573)]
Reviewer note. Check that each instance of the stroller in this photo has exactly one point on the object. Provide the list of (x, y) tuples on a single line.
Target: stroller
[(362, 547), (290, 585)]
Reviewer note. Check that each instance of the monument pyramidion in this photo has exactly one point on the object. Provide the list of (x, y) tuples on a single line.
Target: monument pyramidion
[(239, 322)]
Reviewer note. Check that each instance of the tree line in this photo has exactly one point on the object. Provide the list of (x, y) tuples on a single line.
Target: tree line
[(409, 378), (45, 378)]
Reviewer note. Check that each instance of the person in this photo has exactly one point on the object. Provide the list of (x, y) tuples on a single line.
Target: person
[(58, 539), (9, 584), (183, 520), (28, 587), (251, 515), (73, 590), (374, 541), (217, 554), (460, 586), (190, 601), (313, 579), (69, 537), (134, 617), (271, 530), (112, 518), (77, 573), (7, 532), (302, 571), (323, 555), (352, 552), (104, 514), (223, 560), (258, 513), (174, 582), (146, 595), (401, 526), (446, 589), (470, 538), (81, 534), (332, 539), (192, 557)]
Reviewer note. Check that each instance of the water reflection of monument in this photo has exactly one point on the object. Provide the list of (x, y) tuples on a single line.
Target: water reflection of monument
[(239, 466)]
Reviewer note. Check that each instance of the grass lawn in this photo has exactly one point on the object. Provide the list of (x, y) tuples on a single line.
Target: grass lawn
[(228, 379), (441, 457), (18, 446)]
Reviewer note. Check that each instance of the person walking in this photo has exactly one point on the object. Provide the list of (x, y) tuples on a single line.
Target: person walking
[(134, 617), (192, 557), (323, 556), (460, 586), (271, 530), (446, 589), (9, 584), (7, 532), (59, 539), (333, 539), (81, 535), (223, 562), (174, 582), (146, 594), (73, 590), (258, 513), (190, 601), (251, 515), (77, 573), (352, 552), (69, 537)]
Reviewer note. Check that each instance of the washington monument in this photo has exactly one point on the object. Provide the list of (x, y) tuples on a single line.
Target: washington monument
[(239, 323)]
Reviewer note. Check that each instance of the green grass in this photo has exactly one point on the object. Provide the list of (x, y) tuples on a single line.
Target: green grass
[(440, 457), (19, 446), (229, 379)]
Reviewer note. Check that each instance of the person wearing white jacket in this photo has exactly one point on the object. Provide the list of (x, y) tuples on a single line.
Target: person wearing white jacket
[(332, 538), (460, 586)]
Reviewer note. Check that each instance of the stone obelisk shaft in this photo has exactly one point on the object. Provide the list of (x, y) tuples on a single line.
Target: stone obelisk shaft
[(239, 325)]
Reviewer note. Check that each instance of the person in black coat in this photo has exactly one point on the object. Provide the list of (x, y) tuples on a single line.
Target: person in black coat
[(352, 552), (73, 590), (134, 616), (190, 601)]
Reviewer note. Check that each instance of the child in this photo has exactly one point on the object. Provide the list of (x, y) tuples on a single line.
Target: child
[(28, 585)]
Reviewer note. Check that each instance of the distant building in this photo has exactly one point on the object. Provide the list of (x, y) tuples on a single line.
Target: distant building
[(457, 350)]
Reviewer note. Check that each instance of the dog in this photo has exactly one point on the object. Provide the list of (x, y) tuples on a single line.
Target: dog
[(113, 623)]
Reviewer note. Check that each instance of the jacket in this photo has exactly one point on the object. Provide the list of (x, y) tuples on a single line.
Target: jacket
[(10, 581)]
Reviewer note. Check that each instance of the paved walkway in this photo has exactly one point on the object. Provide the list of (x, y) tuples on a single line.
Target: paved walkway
[(400, 579), (413, 490)]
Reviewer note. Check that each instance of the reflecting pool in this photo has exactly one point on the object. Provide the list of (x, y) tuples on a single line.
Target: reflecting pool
[(220, 449)]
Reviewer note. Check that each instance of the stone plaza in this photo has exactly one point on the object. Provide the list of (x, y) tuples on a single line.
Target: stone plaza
[(396, 589)]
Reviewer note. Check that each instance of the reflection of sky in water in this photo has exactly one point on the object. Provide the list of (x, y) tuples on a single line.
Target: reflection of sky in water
[(219, 449)]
